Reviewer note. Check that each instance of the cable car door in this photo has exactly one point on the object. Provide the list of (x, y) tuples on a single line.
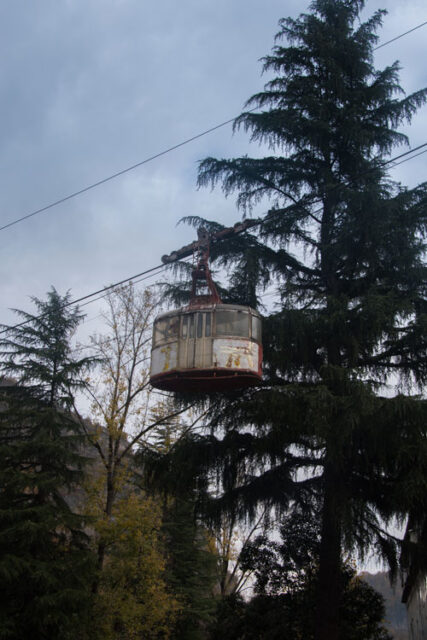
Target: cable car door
[(197, 342)]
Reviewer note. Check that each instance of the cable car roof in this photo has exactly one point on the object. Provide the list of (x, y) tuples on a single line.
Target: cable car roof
[(208, 307)]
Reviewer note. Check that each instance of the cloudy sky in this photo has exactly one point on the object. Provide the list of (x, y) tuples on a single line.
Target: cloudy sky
[(90, 87)]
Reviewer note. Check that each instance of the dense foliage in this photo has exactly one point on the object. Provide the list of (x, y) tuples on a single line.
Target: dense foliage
[(286, 575), (290, 615)]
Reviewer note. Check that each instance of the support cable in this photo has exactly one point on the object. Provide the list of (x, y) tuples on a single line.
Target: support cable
[(188, 249), (156, 155)]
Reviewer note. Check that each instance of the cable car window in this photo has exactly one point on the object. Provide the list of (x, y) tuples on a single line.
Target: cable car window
[(256, 328), (191, 328), (200, 325), (173, 328), (232, 323), (184, 329), (208, 325), (159, 331), (167, 329)]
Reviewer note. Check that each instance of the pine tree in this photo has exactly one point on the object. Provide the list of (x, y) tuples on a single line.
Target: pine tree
[(191, 567), (343, 245), (45, 564), (37, 351), (120, 399)]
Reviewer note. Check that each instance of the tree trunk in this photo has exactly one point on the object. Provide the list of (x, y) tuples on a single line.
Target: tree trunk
[(330, 581), (102, 545)]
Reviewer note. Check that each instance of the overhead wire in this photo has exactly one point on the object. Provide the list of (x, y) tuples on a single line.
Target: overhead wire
[(156, 155), (411, 158), (104, 291), (135, 280), (116, 175), (158, 268), (400, 36), (129, 282)]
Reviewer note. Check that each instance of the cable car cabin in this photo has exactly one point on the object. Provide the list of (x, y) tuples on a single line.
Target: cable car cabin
[(207, 346), (212, 347)]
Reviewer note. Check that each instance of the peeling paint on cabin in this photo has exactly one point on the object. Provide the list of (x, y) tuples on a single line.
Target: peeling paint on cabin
[(235, 354), (166, 352), (223, 353), (164, 358)]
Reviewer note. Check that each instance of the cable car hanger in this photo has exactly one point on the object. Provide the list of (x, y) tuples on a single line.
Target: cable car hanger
[(211, 238)]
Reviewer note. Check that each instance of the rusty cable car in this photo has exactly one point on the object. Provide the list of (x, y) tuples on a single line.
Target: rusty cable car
[(207, 345)]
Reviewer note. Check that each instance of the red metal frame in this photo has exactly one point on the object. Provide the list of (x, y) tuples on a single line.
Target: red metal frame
[(201, 273), (194, 380)]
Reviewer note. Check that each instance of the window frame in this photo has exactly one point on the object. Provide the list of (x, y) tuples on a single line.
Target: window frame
[(236, 313)]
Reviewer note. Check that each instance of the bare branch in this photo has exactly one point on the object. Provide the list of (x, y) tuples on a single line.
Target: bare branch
[(152, 426)]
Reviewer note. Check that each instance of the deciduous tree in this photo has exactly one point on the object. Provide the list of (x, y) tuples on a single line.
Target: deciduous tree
[(120, 392), (133, 599), (130, 553)]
